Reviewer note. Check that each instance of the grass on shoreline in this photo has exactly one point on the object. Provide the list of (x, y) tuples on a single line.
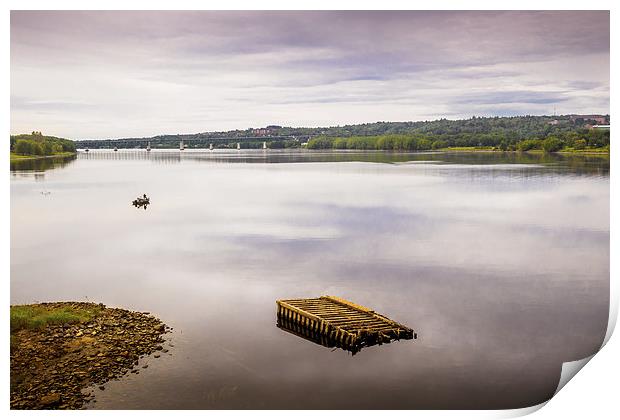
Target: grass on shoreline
[(39, 316), (599, 150), (466, 149), (593, 151), (15, 157)]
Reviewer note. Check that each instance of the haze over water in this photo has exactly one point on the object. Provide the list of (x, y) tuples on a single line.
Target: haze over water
[(499, 262)]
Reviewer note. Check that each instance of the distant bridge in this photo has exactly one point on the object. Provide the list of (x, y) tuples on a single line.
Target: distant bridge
[(182, 141)]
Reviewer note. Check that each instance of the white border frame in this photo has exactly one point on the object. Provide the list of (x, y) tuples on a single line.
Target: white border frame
[(593, 394)]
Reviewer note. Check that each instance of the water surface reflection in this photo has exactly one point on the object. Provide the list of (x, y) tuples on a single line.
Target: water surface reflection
[(499, 261)]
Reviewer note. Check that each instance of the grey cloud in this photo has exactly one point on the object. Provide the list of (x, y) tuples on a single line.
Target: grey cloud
[(510, 97), (24, 103), (166, 66), (485, 36), (583, 84)]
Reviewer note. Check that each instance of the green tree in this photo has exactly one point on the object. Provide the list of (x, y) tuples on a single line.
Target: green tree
[(580, 144), (37, 149), (439, 144), (46, 147), (24, 147), (340, 143), (530, 144), (551, 144)]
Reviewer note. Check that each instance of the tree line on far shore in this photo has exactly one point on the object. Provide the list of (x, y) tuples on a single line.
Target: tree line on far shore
[(36, 144), (568, 140)]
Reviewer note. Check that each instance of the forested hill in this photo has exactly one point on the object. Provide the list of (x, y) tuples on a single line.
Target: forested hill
[(36, 144), (510, 128), (517, 128), (505, 133), (569, 132)]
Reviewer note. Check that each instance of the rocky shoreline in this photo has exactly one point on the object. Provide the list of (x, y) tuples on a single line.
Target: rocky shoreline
[(50, 367)]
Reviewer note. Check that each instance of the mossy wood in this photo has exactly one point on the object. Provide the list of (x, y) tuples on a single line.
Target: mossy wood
[(336, 322)]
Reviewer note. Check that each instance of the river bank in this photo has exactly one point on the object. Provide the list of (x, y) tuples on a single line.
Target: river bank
[(599, 151), (59, 349), (16, 158)]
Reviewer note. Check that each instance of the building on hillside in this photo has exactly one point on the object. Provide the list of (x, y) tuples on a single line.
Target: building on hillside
[(261, 132), (599, 119), (267, 131)]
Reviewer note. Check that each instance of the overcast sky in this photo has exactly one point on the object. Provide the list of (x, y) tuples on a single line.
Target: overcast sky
[(123, 74)]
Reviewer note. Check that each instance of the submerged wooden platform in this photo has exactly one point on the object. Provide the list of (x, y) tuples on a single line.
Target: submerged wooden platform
[(335, 322)]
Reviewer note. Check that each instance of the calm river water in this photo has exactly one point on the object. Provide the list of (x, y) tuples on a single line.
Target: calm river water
[(499, 262)]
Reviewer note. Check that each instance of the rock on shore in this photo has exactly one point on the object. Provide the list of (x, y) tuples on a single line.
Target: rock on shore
[(50, 367)]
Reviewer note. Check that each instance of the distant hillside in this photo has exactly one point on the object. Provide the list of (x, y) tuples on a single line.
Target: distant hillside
[(567, 132), (475, 131), (519, 127)]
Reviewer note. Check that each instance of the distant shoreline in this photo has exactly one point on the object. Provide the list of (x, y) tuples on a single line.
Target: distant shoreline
[(596, 152)]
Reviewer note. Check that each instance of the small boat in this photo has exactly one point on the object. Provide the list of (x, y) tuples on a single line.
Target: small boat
[(141, 201), (115, 149)]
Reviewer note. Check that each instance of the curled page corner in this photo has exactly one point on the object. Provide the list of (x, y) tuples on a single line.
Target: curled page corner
[(570, 369), (613, 315), (520, 412)]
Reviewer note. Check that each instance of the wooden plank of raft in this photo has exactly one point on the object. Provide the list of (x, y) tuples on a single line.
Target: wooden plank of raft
[(347, 303), (328, 311), (299, 311)]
